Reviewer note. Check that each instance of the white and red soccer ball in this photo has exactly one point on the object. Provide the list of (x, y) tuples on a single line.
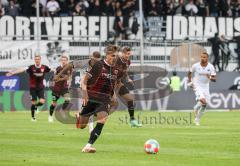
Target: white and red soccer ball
[(151, 146)]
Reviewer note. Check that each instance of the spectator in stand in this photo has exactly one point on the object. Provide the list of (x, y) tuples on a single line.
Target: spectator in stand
[(79, 11), (95, 9), (153, 8), (179, 8), (25, 6), (191, 8), (44, 4), (12, 9), (52, 8), (169, 8), (127, 11), (223, 8), (203, 9), (34, 8), (107, 9), (2, 10), (117, 6), (71, 7), (235, 8), (213, 8), (4, 3), (64, 8), (118, 26)]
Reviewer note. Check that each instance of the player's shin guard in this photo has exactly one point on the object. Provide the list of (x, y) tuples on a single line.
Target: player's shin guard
[(51, 110), (131, 109), (33, 108), (95, 133), (90, 123), (201, 111), (197, 106)]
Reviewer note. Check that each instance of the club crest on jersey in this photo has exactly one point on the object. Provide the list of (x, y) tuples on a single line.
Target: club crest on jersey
[(42, 70)]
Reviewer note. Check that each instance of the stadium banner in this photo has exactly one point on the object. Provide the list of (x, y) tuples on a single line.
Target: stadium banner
[(9, 83), (14, 54), (225, 94), (87, 28)]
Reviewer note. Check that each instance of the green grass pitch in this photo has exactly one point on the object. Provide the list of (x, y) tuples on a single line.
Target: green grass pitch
[(215, 142)]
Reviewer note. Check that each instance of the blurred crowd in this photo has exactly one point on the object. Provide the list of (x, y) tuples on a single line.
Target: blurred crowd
[(225, 8)]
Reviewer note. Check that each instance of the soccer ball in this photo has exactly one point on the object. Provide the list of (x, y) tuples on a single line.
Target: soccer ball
[(151, 146)]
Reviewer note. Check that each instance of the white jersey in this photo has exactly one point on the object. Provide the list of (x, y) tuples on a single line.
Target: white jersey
[(200, 79)]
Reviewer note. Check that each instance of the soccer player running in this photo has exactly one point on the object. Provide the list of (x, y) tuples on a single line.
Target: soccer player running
[(60, 86), (122, 64), (204, 73), (36, 73), (98, 87)]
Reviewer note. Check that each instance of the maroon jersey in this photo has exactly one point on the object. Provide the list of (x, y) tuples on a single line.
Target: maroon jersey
[(122, 67), (62, 87), (36, 75), (102, 82)]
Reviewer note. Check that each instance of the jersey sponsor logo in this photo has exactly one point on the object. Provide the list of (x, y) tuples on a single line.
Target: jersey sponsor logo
[(109, 76), (9, 83), (38, 74)]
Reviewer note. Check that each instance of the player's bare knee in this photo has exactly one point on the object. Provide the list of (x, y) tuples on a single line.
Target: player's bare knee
[(54, 103), (102, 120), (42, 101), (203, 101)]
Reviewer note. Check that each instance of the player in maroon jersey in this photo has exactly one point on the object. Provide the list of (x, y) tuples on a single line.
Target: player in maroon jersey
[(98, 87), (60, 86), (122, 64), (36, 73)]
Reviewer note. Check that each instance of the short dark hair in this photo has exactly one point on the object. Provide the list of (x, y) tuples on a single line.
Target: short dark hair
[(110, 49), (37, 56), (96, 54), (126, 49), (205, 53), (174, 73)]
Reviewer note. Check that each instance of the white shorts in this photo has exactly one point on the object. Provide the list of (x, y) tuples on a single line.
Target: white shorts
[(202, 93)]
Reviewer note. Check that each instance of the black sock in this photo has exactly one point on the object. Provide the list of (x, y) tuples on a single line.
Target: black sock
[(131, 110), (95, 133), (39, 104), (33, 108), (51, 110)]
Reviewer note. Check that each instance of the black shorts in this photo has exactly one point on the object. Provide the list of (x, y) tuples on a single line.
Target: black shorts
[(36, 94), (94, 107), (123, 90), (55, 97), (66, 96)]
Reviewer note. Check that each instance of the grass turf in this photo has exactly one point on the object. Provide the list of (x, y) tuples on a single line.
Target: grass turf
[(215, 142)]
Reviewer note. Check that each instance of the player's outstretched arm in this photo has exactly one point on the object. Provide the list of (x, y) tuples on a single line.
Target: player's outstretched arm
[(84, 89), (11, 73), (189, 76), (190, 84)]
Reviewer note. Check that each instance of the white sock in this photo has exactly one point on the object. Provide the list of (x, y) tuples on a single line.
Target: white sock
[(201, 111), (197, 106), (88, 145)]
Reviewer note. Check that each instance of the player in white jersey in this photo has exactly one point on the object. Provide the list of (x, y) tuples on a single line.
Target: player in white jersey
[(204, 72)]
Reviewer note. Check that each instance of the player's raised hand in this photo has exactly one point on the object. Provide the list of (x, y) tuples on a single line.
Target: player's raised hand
[(9, 74)]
